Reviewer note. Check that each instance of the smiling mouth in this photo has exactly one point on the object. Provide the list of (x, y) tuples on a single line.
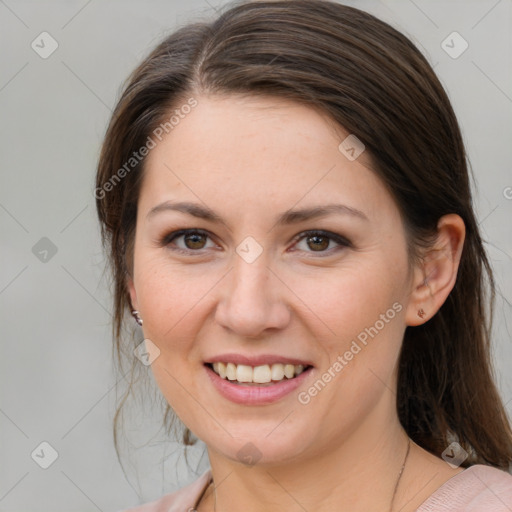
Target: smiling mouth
[(263, 375)]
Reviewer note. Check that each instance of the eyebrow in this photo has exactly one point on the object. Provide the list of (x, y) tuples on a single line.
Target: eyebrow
[(288, 217)]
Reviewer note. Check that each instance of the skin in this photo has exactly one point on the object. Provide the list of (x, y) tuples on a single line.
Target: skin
[(250, 159)]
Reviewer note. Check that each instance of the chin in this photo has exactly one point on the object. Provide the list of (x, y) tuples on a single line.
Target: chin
[(260, 446)]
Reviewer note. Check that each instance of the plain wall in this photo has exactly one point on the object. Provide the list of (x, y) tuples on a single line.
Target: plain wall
[(56, 374)]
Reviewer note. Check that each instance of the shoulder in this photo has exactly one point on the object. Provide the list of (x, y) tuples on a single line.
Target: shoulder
[(478, 488), (183, 500)]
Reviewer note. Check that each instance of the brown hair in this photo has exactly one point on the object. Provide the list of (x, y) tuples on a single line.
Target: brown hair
[(373, 81)]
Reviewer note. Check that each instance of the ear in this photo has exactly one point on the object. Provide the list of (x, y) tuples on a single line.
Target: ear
[(133, 294), (435, 277)]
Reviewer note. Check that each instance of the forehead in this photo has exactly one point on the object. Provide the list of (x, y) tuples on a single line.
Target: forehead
[(243, 150)]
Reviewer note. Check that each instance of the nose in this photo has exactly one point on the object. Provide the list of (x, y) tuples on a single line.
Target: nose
[(253, 299)]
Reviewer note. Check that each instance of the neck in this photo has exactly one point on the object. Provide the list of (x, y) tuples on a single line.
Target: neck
[(356, 474)]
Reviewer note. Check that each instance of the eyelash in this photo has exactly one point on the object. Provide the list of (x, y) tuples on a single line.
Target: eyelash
[(341, 241)]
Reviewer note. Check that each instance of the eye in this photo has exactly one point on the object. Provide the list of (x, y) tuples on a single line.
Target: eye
[(321, 241), (194, 240), (187, 240)]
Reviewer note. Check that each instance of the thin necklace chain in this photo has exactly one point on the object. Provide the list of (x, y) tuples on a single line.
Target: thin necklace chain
[(394, 491), (400, 474)]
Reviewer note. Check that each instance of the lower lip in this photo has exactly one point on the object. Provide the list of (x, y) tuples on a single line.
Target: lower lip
[(256, 395)]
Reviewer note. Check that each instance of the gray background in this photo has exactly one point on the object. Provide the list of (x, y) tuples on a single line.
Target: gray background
[(56, 373)]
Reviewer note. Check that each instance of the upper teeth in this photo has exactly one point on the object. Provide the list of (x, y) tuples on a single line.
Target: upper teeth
[(259, 374)]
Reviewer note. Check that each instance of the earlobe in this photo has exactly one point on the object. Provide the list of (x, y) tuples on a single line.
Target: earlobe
[(133, 301), (435, 278)]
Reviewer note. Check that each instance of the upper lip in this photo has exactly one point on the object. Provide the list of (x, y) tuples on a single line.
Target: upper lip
[(259, 360)]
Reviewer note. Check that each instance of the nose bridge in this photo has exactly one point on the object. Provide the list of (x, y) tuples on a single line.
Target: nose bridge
[(250, 280), (251, 274), (250, 293), (252, 300)]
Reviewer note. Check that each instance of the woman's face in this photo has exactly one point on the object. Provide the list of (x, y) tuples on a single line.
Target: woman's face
[(253, 283)]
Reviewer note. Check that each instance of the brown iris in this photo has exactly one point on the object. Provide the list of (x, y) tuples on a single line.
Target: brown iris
[(320, 242), (194, 240)]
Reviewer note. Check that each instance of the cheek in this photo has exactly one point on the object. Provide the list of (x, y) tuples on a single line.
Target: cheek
[(346, 300), (171, 302), (358, 313)]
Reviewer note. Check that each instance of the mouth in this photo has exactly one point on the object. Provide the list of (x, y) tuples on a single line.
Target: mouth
[(260, 376)]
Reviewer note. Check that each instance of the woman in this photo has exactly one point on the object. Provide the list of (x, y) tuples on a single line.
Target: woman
[(285, 200)]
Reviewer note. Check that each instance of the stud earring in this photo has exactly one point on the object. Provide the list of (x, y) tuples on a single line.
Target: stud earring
[(421, 313), (137, 317)]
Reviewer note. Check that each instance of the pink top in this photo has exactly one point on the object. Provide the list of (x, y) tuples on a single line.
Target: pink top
[(478, 488)]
